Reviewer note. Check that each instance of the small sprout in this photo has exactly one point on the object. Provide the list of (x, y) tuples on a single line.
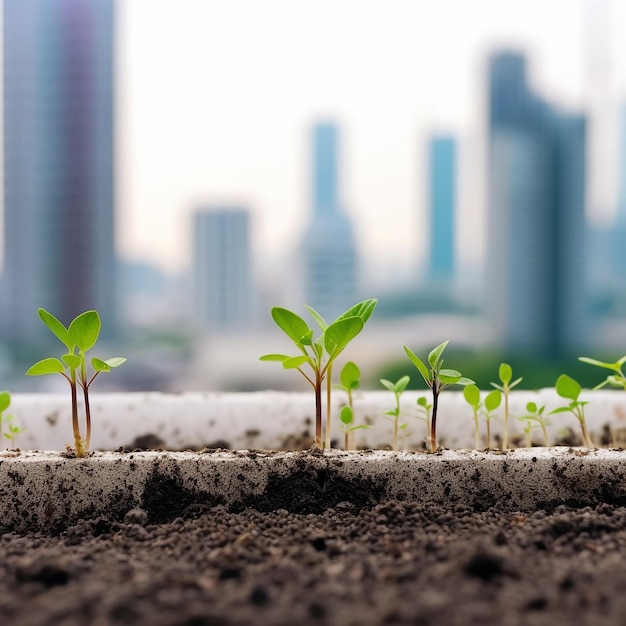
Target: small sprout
[(319, 354), (505, 373), (5, 401), (492, 401), (535, 419), (570, 389), (437, 380), (471, 393), (397, 389), (346, 417), (13, 430), (424, 413), (614, 380), (81, 335)]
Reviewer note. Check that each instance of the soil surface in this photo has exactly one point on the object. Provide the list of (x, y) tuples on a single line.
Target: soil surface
[(393, 563)]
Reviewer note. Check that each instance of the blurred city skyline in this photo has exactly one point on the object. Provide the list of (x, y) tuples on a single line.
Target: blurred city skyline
[(215, 102)]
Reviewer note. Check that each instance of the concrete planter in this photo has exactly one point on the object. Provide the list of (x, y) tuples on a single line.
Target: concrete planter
[(48, 490)]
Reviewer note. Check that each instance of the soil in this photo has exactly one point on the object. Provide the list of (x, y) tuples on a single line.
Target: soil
[(393, 563)]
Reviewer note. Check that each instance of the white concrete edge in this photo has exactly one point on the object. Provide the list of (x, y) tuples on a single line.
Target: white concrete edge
[(278, 420), (47, 491)]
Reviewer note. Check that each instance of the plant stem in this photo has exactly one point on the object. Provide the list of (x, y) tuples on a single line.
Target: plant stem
[(433, 419), (87, 417), (346, 441), (488, 433), (78, 442), (586, 437), (318, 410), (545, 435), (476, 434), (329, 375), (505, 436)]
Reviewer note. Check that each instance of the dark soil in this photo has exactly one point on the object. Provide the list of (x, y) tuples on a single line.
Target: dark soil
[(395, 563)]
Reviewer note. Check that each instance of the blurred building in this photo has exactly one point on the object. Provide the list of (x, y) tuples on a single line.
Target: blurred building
[(619, 230), (535, 244), (328, 250), (442, 200), (222, 282), (58, 159)]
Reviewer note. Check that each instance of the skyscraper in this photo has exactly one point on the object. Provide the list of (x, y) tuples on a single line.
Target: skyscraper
[(58, 154), (328, 248), (442, 199), (222, 283), (536, 215)]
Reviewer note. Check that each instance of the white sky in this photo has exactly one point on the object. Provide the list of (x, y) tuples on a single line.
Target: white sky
[(216, 99)]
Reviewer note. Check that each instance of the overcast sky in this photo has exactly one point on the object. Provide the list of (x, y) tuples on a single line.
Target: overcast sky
[(216, 99)]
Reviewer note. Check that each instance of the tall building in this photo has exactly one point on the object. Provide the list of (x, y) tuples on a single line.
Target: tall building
[(328, 250), (58, 157), (222, 282), (442, 200), (536, 218)]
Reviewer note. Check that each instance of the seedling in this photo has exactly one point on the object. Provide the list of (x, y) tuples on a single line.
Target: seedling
[(13, 430), (471, 393), (505, 372), (346, 417), (437, 380), (618, 379), (396, 388), (319, 354), (424, 413), (81, 335), (569, 389), (5, 401), (534, 418), (492, 401)]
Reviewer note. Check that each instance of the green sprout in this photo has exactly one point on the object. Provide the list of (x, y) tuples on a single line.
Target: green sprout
[(437, 380), (424, 413), (396, 388), (346, 417), (319, 354), (505, 372), (570, 389), (81, 335), (492, 400), (614, 380), (13, 430), (535, 419), (5, 401)]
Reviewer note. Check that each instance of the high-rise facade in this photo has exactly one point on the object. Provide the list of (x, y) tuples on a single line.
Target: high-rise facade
[(442, 200), (328, 249), (536, 223), (222, 281), (59, 162)]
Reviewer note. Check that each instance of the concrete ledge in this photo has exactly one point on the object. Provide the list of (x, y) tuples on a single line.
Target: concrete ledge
[(46, 491)]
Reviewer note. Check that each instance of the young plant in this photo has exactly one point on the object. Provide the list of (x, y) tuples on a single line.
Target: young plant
[(437, 380), (79, 337), (13, 430), (346, 417), (319, 354), (424, 413), (471, 393), (396, 388), (349, 381), (534, 418), (505, 372), (570, 389), (614, 380), (492, 401), (5, 401)]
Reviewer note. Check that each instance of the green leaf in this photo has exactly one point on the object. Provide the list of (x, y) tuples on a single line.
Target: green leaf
[(346, 415), (531, 407), (340, 333), (561, 409), (392, 412), (388, 384), (422, 401), (493, 400), (294, 362), (505, 372), (516, 382), (465, 381), (274, 357), (567, 387), (46, 366), (73, 361), (350, 376), (307, 339), (471, 393), (362, 309), (435, 353), (609, 366), (85, 329), (57, 328), (423, 370), (5, 400), (401, 384), (115, 361), (319, 320), (291, 324), (99, 365)]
